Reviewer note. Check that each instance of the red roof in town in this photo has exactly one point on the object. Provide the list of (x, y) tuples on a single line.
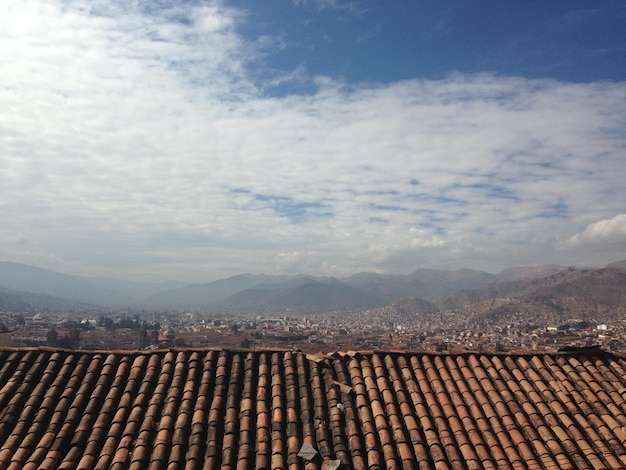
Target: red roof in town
[(241, 409)]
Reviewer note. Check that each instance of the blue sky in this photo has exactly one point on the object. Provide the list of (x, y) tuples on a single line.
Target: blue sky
[(198, 140), (372, 41)]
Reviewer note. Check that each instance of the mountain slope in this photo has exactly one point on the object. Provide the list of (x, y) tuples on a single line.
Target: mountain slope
[(429, 284), (16, 301), (525, 288), (210, 294), (325, 296), (300, 294), (575, 290), (20, 277), (529, 272)]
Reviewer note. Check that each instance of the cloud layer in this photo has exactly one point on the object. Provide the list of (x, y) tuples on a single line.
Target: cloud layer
[(609, 231), (136, 140)]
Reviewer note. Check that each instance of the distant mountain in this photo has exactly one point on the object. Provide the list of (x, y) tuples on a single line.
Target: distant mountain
[(20, 277), (617, 265), (18, 301), (209, 294), (529, 272), (12, 301), (423, 290), (256, 299), (265, 294), (316, 296), (496, 290), (411, 306), (136, 291), (574, 290), (430, 284), (262, 293), (261, 297), (588, 290)]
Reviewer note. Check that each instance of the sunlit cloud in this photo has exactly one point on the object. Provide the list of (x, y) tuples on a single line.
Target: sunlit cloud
[(611, 230), (139, 139)]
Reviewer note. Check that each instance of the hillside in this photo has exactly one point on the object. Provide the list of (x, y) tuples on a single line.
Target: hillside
[(262, 293), (529, 272), (542, 288), (19, 277), (18, 301), (575, 291), (432, 285), (209, 294)]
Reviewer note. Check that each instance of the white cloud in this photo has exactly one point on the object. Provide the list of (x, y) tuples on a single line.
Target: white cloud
[(136, 139), (611, 230), (421, 238), (347, 6), (210, 19)]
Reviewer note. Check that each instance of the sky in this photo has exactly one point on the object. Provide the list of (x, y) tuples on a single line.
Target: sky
[(196, 140)]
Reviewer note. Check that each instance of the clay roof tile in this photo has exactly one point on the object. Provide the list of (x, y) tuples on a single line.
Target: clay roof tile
[(244, 409)]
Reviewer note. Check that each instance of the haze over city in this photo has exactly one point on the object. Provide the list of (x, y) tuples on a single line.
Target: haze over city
[(198, 140)]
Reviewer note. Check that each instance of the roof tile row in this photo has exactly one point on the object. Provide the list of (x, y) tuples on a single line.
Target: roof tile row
[(243, 410)]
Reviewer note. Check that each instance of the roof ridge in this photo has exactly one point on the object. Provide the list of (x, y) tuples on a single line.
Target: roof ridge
[(569, 351)]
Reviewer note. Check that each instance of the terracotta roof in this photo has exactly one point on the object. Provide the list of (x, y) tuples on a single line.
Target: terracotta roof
[(244, 410)]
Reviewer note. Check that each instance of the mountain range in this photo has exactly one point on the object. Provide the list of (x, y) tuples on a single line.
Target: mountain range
[(26, 288)]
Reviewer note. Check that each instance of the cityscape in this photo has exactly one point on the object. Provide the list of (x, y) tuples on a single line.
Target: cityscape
[(539, 309), (378, 329)]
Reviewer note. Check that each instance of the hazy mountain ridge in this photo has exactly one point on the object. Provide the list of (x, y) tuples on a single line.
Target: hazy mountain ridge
[(426, 289), (432, 285), (529, 272), (410, 305), (24, 278), (617, 265), (213, 293), (311, 296), (133, 290), (576, 290), (30, 302)]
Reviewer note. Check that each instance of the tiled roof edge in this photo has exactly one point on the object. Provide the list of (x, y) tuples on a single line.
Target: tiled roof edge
[(570, 351), (333, 354)]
